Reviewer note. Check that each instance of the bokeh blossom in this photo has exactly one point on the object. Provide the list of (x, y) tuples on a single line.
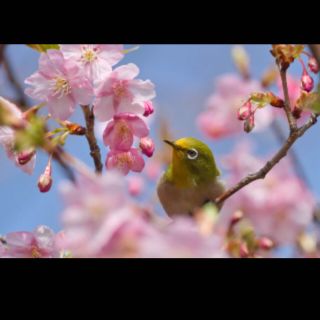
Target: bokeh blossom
[(25, 160), (60, 83), (219, 119), (37, 244), (279, 206)]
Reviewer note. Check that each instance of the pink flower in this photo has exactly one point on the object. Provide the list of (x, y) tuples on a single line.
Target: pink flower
[(124, 161), (99, 219), (279, 206), (136, 185), (96, 59), (60, 83), (306, 81), (37, 244), (121, 129), (45, 179), (24, 160), (181, 239), (147, 146), (220, 117), (120, 93)]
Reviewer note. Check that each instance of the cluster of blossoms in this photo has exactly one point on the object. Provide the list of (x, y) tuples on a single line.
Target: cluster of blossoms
[(101, 220), (84, 75), (242, 96), (279, 207)]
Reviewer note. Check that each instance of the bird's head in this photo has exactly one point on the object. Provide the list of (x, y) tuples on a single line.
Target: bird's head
[(192, 162)]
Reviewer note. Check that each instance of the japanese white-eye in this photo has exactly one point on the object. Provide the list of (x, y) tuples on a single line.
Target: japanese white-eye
[(192, 178)]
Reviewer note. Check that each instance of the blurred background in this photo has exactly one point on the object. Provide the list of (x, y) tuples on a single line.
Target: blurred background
[(184, 79)]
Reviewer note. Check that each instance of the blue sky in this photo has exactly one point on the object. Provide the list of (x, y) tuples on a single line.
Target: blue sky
[(183, 76)]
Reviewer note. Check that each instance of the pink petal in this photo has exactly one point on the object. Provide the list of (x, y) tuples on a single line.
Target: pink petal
[(138, 162), (20, 239), (127, 72), (98, 71), (51, 63), (41, 87), (119, 160), (142, 90), (103, 108), (118, 135), (83, 95), (71, 51), (61, 108), (111, 53), (126, 106)]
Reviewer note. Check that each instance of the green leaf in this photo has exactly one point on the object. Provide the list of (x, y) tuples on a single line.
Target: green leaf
[(43, 47)]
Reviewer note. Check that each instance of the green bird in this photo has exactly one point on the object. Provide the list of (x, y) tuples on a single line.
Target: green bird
[(191, 180)]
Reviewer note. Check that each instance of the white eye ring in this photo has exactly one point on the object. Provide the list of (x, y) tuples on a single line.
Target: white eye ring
[(192, 154)]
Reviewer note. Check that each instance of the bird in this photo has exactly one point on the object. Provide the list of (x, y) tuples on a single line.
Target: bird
[(191, 180)]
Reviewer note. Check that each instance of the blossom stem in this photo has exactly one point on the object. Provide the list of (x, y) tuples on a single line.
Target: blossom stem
[(282, 152), (291, 120), (92, 141)]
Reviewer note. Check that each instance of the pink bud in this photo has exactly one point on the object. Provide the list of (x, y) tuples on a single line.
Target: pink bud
[(249, 124), (306, 81), (313, 65), (148, 108), (147, 146), (25, 156), (244, 251), (245, 111), (45, 180), (265, 243), (236, 217)]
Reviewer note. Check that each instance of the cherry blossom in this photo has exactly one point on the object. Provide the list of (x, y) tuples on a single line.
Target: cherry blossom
[(96, 59), (121, 93), (60, 83)]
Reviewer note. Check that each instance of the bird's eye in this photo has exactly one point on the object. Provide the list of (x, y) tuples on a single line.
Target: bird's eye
[(192, 154)]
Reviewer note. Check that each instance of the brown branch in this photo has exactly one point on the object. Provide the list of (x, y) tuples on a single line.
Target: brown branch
[(292, 154), (287, 107), (92, 141), (272, 162), (21, 99), (58, 156)]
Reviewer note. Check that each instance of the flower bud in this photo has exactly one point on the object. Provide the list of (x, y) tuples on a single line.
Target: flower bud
[(313, 65), (45, 180), (25, 156), (265, 243), (147, 146), (275, 101), (306, 81), (249, 124), (148, 108), (74, 128), (241, 60), (245, 111)]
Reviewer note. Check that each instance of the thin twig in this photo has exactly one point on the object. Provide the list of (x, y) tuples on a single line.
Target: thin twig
[(287, 107), (21, 99), (272, 162), (292, 154), (58, 156), (92, 141)]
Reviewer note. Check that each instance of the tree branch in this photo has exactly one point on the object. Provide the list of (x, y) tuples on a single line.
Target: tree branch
[(287, 107), (92, 141), (272, 162), (21, 99)]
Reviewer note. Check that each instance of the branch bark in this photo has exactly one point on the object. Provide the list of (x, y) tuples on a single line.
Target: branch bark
[(21, 99), (272, 162), (92, 141)]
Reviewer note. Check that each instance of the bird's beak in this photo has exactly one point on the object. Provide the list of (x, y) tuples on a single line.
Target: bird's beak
[(170, 143)]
